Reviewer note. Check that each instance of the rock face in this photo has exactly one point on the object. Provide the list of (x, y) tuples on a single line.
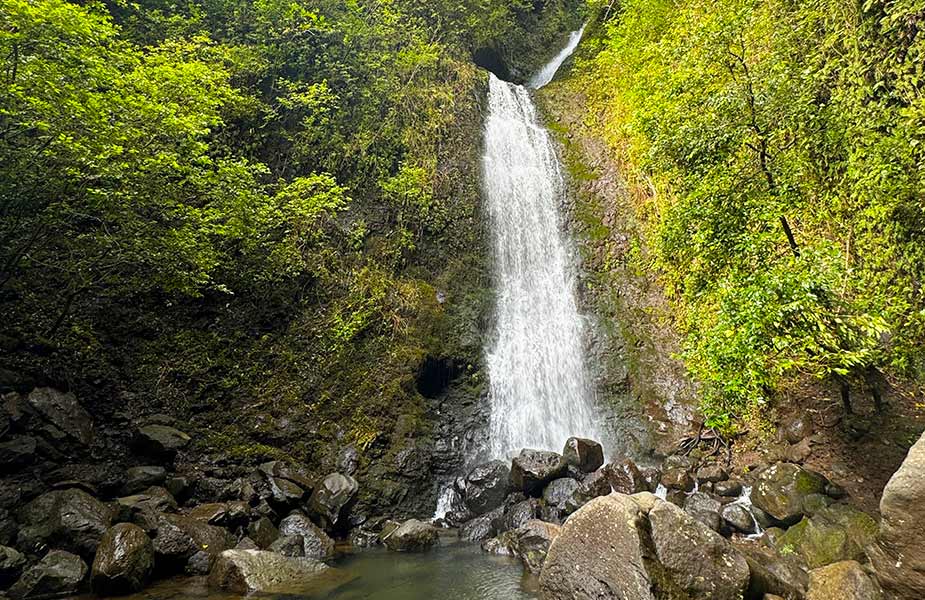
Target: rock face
[(68, 519), (315, 542), (842, 581), (124, 561), (533, 469), (586, 455), (599, 554), (331, 496), (248, 571), (530, 543), (58, 574), (781, 488), (63, 412), (412, 536), (899, 554), (697, 559), (486, 487)]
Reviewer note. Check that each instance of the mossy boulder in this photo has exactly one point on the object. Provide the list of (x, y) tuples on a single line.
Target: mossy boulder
[(845, 580), (780, 490), (836, 533)]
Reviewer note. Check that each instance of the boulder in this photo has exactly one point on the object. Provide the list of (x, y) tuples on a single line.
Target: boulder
[(696, 559), (177, 539), (64, 413), (160, 441), (842, 581), (517, 515), (796, 429), (625, 478), (411, 536), (486, 486), (253, 571), (58, 574), (227, 514), (17, 453), (316, 543), (154, 499), (774, 573), (263, 532), (530, 543), (12, 563), (739, 518), (704, 509), (599, 554), (284, 492), (779, 491), (481, 527), (678, 478), (278, 469), (288, 545), (141, 478), (899, 553), (835, 533), (591, 486), (124, 561), (330, 498), (68, 519), (531, 470), (730, 488), (586, 455), (559, 491), (712, 474), (177, 486)]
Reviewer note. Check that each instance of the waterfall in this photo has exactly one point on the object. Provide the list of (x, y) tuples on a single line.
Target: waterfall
[(539, 386), (545, 75)]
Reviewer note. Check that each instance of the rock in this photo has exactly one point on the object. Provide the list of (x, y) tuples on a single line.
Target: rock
[(154, 499), (140, 478), (815, 503), (250, 571), (499, 546), (160, 441), (599, 554), (695, 558), (678, 479), (226, 514), (330, 498), (625, 478), (558, 492), (481, 527), (348, 460), (833, 490), (288, 545), (841, 581), (177, 486), (799, 453), (518, 514), (177, 539), (779, 490), (278, 469), (592, 485), (63, 412), (835, 533), (738, 518), (245, 543), (774, 573), (68, 519), (486, 486), (729, 489), (285, 492), (124, 561), (412, 536), (530, 543), (652, 476), (388, 527), (531, 470), (263, 532), (58, 574), (797, 429), (899, 552), (712, 474), (17, 453), (704, 509), (586, 455), (12, 563), (316, 543)]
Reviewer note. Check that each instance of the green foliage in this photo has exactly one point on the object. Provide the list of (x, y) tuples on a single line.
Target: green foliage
[(749, 118)]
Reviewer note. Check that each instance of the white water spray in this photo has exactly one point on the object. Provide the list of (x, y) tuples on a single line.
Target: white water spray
[(539, 385), (546, 74)]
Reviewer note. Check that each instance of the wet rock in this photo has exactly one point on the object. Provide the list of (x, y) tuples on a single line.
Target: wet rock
[(712, 474), (226, 514), (68, 519), (316, 542), (738, 518), (288, 545), (160, 441), (62, 411), (530, 543), (263, 532), (697, 559), (177, 486), (652, 476), (599, 554), (774, 573), (899, 552), (499, 546), (124, 561), (285, 492), (592, 486), (388, 528), (704, 509), (348, 460), (245, 543), (835, 533), (531, 470), (177, 539), (141, 478), (481, 527), (558, 492), (678, 479), (518, 514), (486, 486), (330, 498), (278, 469), (250, 571), (730, 488), (625, 478), (154, 499), (841, 581), (17, 453), (779, 490), (412, 536), (12, 563), (586, 455), (58, 574)]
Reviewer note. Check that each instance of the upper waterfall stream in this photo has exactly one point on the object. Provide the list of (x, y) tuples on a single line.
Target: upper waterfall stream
[(540, 389)]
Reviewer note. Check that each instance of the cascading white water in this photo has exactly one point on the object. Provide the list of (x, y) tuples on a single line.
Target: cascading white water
[(539, 384), (545, 75)]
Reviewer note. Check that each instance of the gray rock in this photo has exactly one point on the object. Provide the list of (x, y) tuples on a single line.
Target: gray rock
[(796, 429), (558, 492), (592, 486), (17, 453), (586, 455), (263, 532), (278, 469), (531, 470), (331, 497), (348, 460), (899, 553), (285, 492), (730, 488), (712, 474), (696, 559), (412, 536), (599, 553), (141, 478), (177, 486), (250, 571), (481, 527), (154, 499), (316, 542), (58, 574), (625, 478), (842, 581), (530, 543), (678, 478), (518, 514), (12, 563), (124, 561), (288, 545), (779, 490), (774, 573), (738, 518), (245, 543), (160, 441), (63, 412), (67, 519), (178, 538), (486, 486)]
